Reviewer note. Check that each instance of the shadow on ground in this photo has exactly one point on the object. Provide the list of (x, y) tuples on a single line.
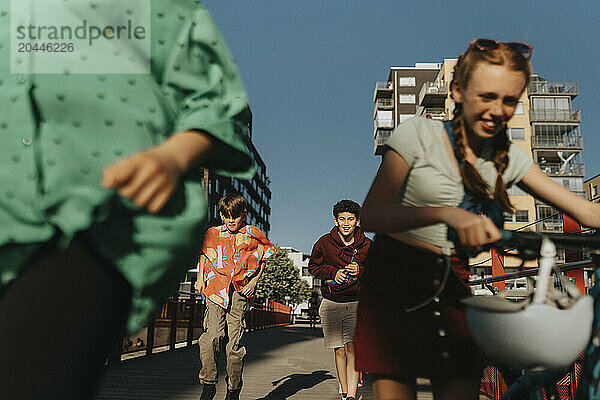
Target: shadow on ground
[(175, 373), (291, 384)]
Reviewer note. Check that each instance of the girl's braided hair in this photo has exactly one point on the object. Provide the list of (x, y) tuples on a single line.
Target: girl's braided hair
[(477, 188)]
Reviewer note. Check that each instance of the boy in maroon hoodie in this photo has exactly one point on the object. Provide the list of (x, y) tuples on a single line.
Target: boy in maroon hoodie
[(338, 258)]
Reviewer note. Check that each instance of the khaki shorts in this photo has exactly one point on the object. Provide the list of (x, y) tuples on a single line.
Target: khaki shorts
[(338, 321)]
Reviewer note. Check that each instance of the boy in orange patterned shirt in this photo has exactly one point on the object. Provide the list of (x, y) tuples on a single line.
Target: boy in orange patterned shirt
[(230, 266)]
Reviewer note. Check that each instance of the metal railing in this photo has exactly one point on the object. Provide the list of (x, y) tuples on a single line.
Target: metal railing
[(493, 384), (179, 323), (384, 123), (384, 102), (549, 226), (557, 141), (433, 88), (560, 169), (532, 272), (554, 115), (381, 137), (434, 113), (543, 87), (383, 85)]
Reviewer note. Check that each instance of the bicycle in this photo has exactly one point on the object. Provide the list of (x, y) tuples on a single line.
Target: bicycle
[(534, 335)]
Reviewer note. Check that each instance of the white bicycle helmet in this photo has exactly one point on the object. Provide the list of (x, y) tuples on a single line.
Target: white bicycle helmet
[(533, 335)]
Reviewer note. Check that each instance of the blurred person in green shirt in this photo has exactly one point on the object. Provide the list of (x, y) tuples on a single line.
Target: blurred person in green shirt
[(102, 208)]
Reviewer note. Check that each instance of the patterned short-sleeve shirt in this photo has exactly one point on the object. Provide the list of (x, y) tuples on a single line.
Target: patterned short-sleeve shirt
[(233, 258)]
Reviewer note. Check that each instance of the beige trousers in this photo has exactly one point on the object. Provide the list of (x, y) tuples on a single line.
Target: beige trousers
[(222, 324)]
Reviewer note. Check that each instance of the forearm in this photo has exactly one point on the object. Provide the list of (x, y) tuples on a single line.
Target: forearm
[(261, 268), (201, 266), (322, 271), (191, 148), (536, 183), (200, 276), (589, 215)]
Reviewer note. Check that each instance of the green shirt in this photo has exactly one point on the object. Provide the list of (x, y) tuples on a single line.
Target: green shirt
[(59, 131), (433, 180)]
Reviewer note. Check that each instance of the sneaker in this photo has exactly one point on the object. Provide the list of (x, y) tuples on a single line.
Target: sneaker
[(208, 392), (233, 394)]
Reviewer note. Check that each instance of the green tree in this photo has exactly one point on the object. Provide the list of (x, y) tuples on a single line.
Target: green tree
[(281, 278)]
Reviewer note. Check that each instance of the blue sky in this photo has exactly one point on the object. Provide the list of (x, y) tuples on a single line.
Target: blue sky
[(310, 67)]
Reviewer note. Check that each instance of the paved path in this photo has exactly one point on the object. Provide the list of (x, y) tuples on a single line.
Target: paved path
[(281, 363)]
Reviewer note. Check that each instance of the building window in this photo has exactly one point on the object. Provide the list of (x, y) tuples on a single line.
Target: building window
[(407, 81), (521, 216), (404, 117), (551, 103), (519, 109), (516, 133), (407, 99), (518, 216)]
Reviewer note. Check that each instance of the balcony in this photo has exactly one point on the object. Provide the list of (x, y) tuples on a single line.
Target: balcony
[(384, 123), (384, 103), (550, 226), (433, 94), (571, 169), (562, 142), (554, 115), (381, 137), (382, 89), (433, 113), (383, 85), (553, 88)]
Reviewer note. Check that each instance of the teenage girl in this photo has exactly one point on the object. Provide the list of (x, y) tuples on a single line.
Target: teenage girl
[(409, 320)]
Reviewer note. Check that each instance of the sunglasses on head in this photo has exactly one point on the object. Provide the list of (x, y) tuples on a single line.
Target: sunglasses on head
[(489, 44)]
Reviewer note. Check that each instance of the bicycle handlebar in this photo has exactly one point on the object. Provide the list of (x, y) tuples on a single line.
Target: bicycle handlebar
[(528, 243)]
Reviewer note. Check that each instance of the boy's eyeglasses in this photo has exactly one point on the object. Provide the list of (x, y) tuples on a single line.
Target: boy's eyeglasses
[(489, 44)]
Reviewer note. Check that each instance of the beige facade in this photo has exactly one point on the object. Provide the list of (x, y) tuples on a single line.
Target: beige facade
[(592, 189)]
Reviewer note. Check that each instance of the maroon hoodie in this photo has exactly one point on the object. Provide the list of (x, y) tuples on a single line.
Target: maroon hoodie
[(330, 254)]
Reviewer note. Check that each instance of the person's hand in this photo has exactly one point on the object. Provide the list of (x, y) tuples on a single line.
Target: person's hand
[(147, 178), (353, 269), (340, 276), (473, 230), (150, 177), (248, 290)]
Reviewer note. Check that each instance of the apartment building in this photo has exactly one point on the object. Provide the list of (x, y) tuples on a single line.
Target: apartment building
[(255, 190), (396, 99), (545, 125), (300, 261), (556, 140)]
